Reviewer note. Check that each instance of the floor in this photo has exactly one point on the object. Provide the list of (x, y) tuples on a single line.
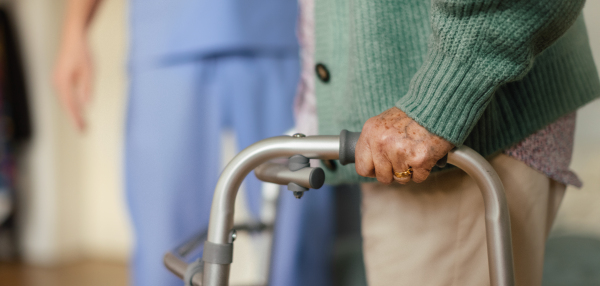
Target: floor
[(570, 260), (89, 273)]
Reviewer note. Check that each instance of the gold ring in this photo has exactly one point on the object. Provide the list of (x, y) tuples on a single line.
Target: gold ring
[(407, 173)]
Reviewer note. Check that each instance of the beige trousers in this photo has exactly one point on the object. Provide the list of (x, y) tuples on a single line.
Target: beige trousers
[(433, 233)]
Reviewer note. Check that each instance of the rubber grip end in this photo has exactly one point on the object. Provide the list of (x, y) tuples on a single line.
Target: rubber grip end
[(348, 146)]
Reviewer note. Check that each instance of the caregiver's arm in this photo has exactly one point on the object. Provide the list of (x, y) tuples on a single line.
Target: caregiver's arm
[(73, 72), (476, 46)]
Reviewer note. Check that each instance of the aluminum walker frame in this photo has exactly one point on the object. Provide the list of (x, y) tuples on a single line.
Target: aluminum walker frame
[(213, 269)]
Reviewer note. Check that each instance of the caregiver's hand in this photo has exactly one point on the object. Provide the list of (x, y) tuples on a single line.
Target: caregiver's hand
[(74, 72), (73, 75), (392, 142)]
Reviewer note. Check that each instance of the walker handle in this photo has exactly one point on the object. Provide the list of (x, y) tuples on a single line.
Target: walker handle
[(348, 141), (348, 146)]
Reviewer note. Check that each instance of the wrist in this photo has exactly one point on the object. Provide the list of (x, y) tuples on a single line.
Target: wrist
[(78, 17)]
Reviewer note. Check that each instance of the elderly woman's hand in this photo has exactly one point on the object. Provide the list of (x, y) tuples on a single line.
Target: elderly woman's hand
[(392, 142)]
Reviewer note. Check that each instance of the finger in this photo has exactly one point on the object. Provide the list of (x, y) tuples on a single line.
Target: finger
[(74, 108), (420, 174), (402, 180), (363, 158), (85, 94), (422, 170), (383, 168), (66, 89), (87, 76), (399, 165)]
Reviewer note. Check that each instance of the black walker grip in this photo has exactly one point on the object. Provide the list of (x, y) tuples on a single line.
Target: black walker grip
[(347, 146)]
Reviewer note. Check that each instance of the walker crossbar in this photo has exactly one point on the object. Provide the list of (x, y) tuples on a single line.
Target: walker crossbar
[(220, 229)]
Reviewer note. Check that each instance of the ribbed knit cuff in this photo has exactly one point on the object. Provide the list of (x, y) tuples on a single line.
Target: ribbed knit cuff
[(447, 97)]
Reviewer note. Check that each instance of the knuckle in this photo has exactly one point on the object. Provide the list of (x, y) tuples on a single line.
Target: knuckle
[(389, 140), (419, 159), (401, 149)]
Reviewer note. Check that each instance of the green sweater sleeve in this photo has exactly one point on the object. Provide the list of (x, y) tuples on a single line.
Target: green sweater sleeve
[(476, 46)]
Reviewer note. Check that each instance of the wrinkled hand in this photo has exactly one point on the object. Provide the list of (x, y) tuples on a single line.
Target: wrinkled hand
[(73, 75), (392, 142)]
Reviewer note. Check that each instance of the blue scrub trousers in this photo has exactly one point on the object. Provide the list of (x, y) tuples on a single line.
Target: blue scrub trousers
[(304, 239), (175, 117)]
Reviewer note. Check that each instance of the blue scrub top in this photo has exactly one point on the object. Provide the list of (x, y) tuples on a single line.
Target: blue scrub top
[(183, 28)]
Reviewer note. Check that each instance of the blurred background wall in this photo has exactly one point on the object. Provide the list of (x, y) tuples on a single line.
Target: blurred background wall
[(74, 205), (580, 211)]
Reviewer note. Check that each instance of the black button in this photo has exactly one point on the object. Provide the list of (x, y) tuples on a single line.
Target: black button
[(322, 72)]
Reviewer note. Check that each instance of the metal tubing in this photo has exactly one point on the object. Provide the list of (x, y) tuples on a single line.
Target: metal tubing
[(497, 220), (175, 265), (327, 147), (178, 267), (222, 209)]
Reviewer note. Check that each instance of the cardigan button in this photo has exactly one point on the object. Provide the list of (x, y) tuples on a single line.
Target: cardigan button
[(322, 72)]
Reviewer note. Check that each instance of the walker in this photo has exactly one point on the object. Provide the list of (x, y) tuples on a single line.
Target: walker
[(213, 269)]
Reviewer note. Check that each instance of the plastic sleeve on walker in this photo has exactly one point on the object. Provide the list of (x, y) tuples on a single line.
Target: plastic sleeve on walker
[(348, 146)]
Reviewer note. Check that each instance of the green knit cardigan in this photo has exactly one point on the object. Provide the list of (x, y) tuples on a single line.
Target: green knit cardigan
[(484, 73)]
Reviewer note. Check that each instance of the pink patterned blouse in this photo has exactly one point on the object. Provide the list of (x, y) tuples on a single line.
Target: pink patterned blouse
[(548, 150)]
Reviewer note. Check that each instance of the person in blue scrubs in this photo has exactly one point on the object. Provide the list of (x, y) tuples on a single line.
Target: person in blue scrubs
[(196, 67)]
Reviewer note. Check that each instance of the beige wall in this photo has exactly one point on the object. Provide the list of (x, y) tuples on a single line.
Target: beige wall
[(105, 230), (580, 211), (74, 206), (75, 203)]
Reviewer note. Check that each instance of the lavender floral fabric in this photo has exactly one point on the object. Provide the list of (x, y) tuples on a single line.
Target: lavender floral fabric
[(549, 150)]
